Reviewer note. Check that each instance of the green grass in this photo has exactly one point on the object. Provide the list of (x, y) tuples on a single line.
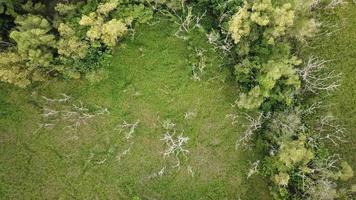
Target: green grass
[(150, 80), (340, 49)]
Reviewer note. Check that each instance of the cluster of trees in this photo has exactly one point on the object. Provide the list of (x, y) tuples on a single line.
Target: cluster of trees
[(266, 70), (266, 34), (298, 164), (42, 39)]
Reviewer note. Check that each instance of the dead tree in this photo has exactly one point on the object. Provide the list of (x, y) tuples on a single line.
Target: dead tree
[(328, 129), (185, 20), (127, 129), (253, 169), (198, 67), (175, 145), (67, 112), (255, 123), (316, 79)]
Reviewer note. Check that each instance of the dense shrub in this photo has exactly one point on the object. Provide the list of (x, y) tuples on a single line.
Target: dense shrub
[(299, 166), (266, 69)]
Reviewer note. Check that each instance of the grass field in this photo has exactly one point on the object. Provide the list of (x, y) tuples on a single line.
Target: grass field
[(339, 49), (150, 81)]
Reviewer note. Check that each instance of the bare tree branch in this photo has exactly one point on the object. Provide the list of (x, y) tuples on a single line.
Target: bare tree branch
[(175, 145), (315, 78), (255, 123)]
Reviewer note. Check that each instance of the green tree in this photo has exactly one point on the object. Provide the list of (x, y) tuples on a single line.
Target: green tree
[(261, 31), (33, 55), (8, 7), (102, 30), (69, 45), (14, 71), (34, 42)]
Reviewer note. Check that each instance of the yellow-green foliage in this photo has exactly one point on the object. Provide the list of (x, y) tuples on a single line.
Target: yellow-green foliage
[(251, 100), (14, 71), (173, 4), (281, 18), (345, 172), (31, 7), (134, 13), (292, 155), (353, 188), (105, 8), (112, 30), (7, 7), (274, 75), (240, 25), (296, 164), (69, 44), (294, 152), (102, 30), (264, 33), (33, 53), (75, 49), (64, 9), (281, 179), (11, 69), (276, 20), (261, 29), (34, 42)]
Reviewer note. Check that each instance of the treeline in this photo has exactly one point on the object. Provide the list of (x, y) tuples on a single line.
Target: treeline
[(275, 81)]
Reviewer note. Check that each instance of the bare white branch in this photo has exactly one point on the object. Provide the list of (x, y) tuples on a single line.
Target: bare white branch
[(253, 169), (124, 153), (218, 42), (255, 123), (64, 99), (312, 109), (160, 173), (315, 78), (198, 68), (175, 145), (329, 129), (186, 20), (233, 118), (334, 3), (329, 28), (127, 129), (190, 170), (71, 115), (189, 115)]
